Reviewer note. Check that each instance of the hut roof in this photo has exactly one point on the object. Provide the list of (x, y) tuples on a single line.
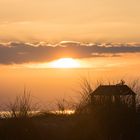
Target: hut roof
[(113, 90)]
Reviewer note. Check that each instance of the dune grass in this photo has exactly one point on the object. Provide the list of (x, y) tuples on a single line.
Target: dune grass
[(87, 123)]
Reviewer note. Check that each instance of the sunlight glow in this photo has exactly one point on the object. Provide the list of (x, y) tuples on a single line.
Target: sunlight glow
[(65, 63)]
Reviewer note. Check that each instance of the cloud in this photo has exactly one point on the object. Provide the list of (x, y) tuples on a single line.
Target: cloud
[(19, 52)]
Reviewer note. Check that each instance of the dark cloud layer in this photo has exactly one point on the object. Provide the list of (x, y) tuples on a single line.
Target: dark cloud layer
[(18, 52)]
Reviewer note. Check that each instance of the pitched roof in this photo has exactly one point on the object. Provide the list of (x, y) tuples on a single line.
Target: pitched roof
[(113, 90)]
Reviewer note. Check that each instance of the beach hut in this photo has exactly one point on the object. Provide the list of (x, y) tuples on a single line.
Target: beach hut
[(109, 95)]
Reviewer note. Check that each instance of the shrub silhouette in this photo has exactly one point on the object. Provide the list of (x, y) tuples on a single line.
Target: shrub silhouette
[(18, 123)]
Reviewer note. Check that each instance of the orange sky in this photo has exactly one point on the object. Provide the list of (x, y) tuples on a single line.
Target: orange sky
[(57, 20), (47, 85), (33, 33)]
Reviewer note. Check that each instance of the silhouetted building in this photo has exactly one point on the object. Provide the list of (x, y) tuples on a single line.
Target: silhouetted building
[(115, 108), (116, 95)]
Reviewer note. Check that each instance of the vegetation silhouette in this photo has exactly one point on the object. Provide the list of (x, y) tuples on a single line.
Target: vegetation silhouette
[(104, 112)]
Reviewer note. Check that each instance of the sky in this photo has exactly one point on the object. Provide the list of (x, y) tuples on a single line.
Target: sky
[(81, 20), (47, 45)]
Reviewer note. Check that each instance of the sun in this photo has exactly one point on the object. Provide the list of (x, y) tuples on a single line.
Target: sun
[(65, 63)]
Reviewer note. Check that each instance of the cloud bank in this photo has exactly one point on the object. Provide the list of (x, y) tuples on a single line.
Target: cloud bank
[(19, 52)]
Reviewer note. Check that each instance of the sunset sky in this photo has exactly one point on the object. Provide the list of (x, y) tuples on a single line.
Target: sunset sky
[(82, 20), (47, 45)]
